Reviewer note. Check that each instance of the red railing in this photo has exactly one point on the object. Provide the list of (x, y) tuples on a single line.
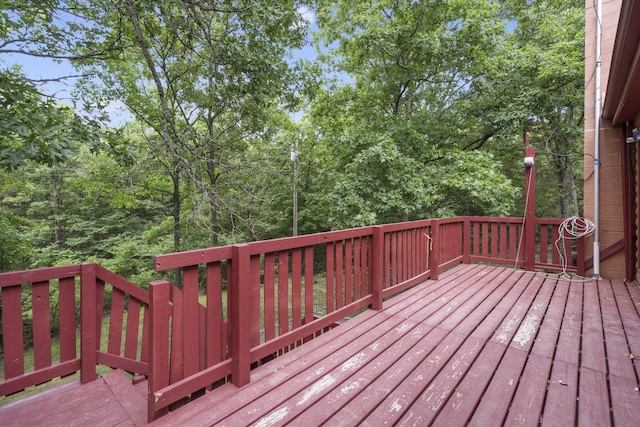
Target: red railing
[(82, 290), (503, 241), (260, 299)]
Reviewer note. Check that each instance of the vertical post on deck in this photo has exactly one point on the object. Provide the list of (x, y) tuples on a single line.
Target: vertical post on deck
[(435, 249), (466, 240), (377, 265), (159, 296), (530, 214), (240, 306), (88, 337)]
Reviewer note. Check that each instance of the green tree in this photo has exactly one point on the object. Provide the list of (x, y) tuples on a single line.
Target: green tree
[(211, 80), (402, 122), (36, 126)]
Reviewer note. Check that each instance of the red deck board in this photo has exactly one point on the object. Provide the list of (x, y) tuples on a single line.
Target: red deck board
[(511, 323), (385, 385), (547, 337), (403, 396), (492, 322), (434, 396), (357, 382), (133, 403), (593, 352), (593, 399), (480, 346), (305, 391), (528, 401), (494, 403), (526, 333), (617, 347), (91, 404), (561, 399), (568, 346), (625, 401), (462, 403)]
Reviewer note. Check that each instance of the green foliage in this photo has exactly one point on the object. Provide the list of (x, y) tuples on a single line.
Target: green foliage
[(37, 129), (16, 248), (420, 113)]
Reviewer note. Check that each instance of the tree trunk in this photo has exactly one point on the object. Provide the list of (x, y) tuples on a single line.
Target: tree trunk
[(213, 196), (55, 201), (175, 205), (569, 193)]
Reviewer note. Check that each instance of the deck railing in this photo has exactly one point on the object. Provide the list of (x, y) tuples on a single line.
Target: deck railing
[(260, 299), (87, 296)]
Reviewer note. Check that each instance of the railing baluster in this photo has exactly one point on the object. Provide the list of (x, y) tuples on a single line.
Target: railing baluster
[(215, 344), (544, 244), (13, 337), (159, 296), (357, 278), (191, 316), (308, 284), (296, 287), (348, 271), (133, 328), (115, 322), (330, 277), (41, 314), (283, 292), (256, 300), (269, 297), (339, 275), (67, 301), (177, 341)]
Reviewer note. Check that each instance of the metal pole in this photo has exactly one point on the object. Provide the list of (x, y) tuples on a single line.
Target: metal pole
[(294, 159), (596, 149)]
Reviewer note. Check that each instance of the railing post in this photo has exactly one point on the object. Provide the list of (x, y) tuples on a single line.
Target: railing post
[(159, 296), (466, 240), (88, 343), (240, 314), (435, 251), (530, 214), (377, 252)]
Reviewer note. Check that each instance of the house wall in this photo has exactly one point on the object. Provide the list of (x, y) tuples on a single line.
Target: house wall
[(637, 202), (611, 212)]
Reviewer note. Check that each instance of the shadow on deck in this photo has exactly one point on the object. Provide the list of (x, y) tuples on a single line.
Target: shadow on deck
[(481, 346)]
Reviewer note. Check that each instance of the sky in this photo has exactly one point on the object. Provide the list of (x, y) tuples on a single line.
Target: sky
[(43, 68)]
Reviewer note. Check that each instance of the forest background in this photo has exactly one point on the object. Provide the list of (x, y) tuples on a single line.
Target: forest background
[(407, 110)]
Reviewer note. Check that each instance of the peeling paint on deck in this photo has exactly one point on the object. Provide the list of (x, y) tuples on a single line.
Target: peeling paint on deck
[(272, 418), (354, 362), (503, 336), (316, 388), (527, 330)]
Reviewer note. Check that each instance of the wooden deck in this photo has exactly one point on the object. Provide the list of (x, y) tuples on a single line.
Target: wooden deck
[(480, 346)]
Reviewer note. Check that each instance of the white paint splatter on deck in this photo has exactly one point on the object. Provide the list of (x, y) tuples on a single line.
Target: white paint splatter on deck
[(396, 406), (503, 336), (272, 418), (316, 388), (527, 330), (351, 386), (403, 327), (354, 362)]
